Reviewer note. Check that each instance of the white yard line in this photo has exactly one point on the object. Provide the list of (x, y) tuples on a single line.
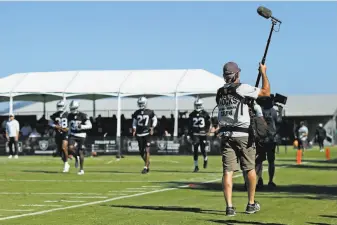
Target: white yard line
[(110, 199), (111, 161), (16, 210), (52, 193), (86, 181), (89, 197), (49, 201), (137, 188), (151, 186), (37, 205)]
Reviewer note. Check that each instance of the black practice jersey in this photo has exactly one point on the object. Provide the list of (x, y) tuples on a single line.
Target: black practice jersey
[(199, 122), (142, 119), (60, 118), (76, 120)]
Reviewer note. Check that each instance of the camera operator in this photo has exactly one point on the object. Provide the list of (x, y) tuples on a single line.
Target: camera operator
[(265, 148)]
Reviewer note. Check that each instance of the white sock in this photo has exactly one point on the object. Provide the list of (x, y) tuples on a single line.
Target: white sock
[(195, 163), (145, 167), (205, 159)]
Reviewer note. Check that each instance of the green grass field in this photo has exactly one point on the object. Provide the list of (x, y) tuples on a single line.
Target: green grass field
[(34, 191)]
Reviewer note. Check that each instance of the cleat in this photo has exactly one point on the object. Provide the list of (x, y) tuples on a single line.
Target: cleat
[(81, 172), (66, 168), (144, 171), (251, 209), (196, 169), (10, 156), (205, 164), (16, 156), (230, 211)]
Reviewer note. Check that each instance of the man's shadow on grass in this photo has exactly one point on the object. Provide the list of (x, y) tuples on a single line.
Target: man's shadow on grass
[(323, 191), (331, 161), (236, 222), (172, 209)]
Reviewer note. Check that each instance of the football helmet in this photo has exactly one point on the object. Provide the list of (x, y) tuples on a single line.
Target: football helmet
[(61, 105), (142, 102), (198, 105), (74, 105)]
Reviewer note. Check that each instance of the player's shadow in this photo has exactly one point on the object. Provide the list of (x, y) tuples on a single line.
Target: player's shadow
[(235, 222), (329, 216), (111, 171), (39, 171), (320, 190), (309, 160), (317, 197), (304, 166), (172, 209), (183, 171), (319, 223)]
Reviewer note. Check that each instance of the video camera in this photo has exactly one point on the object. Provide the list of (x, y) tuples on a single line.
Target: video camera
[(278, 98)]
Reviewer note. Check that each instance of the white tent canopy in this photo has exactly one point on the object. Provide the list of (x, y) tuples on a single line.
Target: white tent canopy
[(93, 85)]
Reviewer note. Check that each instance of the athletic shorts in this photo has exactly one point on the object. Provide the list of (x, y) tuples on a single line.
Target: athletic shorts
[(265, 151), (143, 141), (237, 151), (79, 141), (197, 139)]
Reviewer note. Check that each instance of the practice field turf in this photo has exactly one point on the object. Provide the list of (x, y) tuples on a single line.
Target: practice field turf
[(34, 191)]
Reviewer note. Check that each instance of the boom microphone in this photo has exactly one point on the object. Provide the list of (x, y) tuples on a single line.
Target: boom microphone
[(266, 13)]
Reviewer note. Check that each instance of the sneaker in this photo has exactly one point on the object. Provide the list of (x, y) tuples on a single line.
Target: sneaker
[(205, 164), (271, 184), (196, 169), (144, 171), (322, 150), (253, 208), (66, 168), (10, 156), (230, 211), (81, 172), (16, 156)]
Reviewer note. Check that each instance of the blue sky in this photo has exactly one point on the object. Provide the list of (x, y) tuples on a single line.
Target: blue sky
[(46, 36)]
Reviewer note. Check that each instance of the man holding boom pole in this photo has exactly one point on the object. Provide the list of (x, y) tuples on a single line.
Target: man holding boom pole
[(237, 139)]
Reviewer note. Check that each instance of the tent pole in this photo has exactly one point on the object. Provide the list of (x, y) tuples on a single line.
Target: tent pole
[(44, 104), (176, 116), (118, 139), (10, 104), (94, 106), (118, 132)]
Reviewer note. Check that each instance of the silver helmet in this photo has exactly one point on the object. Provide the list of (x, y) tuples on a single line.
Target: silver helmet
[(142, 102), (198, 105), (61, 105), (74, 105)]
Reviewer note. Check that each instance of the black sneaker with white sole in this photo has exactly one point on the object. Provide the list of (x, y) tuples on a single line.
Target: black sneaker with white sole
[(230, 211), (253, 208)]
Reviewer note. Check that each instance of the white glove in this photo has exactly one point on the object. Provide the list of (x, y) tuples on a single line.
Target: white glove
[(258, 110)]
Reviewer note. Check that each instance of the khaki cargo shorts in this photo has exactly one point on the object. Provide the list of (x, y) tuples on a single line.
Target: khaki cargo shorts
[(235, 151)]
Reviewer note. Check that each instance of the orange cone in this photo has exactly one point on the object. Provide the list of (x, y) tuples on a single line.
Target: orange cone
[(327, 153), (299, 157)]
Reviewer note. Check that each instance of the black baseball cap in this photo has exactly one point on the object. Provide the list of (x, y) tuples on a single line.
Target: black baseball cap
[(230, 69)]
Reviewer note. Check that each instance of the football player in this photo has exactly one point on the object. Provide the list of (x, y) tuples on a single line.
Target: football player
[(143, 122), (199, 125), (59, 121), (78, 124)]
